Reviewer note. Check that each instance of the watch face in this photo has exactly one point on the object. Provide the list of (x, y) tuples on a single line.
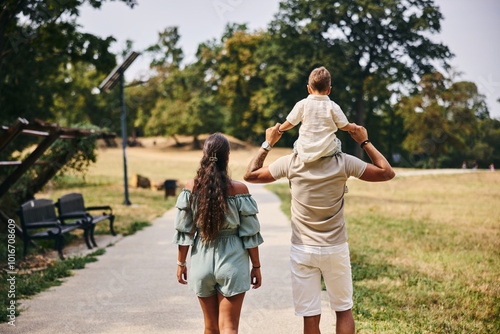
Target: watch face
[(266, 146)]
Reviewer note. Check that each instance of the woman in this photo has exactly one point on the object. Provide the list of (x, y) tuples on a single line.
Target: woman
[(217, 217)]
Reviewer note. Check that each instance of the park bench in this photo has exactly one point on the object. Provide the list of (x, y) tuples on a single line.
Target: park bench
[(39, 217), (71, 206)]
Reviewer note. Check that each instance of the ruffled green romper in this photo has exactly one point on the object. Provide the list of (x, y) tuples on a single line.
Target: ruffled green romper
[(222, 264)]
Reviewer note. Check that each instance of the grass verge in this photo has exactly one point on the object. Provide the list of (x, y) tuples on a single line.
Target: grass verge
[(425, 253), (33, 282)]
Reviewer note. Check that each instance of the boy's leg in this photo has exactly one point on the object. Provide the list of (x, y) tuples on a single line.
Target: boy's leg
[(229, 312), (295, 146), (339, 146), (210, 308)]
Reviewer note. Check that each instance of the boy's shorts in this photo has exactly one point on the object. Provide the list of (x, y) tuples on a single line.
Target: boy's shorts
[(308, 264)]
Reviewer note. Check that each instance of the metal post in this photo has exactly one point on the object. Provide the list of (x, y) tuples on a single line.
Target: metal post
[(124, 139)]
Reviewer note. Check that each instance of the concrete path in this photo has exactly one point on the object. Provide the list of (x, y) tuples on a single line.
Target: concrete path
[(438, 171), (133, 288)]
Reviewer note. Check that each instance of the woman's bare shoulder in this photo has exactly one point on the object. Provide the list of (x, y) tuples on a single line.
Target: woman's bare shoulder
[(237, 188), (190, 185)]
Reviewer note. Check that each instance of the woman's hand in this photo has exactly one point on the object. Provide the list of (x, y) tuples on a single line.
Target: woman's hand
[(255, 278), (182, 274)]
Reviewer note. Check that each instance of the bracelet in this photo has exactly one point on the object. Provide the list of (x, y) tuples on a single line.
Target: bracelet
[(279, 131), (255, 267), (364, 143), (182, 264)]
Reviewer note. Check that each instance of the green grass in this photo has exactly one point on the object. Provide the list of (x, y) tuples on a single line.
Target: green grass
[(425, 253), (32, 283), (134, 227)]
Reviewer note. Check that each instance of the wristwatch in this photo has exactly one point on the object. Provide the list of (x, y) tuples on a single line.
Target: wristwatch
[(266, 146)]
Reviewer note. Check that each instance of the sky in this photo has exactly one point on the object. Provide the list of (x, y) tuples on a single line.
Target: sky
[(470, 29)]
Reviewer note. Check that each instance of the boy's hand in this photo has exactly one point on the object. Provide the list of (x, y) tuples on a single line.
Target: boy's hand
[(355, 128), (359, 135)]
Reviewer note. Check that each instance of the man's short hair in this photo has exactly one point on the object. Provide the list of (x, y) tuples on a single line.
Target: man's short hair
[(320, 79)]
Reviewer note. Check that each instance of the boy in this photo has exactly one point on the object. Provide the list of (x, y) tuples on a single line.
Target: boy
[(320, 117)]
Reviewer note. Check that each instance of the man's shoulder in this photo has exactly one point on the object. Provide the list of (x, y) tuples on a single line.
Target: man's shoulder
[(280, 167), (354, 166), (285, 159)]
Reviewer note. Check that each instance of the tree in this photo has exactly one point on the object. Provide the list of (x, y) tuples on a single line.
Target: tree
[(166, 53), (232, 70), (360, 41), (77, 100), (37, 41), (186, 103), (441, 116)]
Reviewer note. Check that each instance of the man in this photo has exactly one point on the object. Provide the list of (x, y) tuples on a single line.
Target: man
[(319, 237)]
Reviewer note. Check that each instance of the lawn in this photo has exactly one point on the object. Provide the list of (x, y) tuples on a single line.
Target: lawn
[(425, 253)]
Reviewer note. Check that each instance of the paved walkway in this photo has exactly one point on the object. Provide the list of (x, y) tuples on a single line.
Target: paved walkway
[(438, 171), (133, 288)]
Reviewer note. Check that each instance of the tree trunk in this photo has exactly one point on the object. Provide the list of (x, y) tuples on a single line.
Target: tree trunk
[(196, 143), (434, 160), (177, 143), (391, 136)]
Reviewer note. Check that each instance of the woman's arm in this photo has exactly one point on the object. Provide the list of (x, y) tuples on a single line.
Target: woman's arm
[(182, 270), (255, 276)]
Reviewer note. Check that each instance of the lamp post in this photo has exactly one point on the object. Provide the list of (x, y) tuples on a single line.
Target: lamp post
[(108, 84)]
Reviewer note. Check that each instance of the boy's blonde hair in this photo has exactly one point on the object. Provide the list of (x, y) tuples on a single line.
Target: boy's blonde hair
[(320, 79)]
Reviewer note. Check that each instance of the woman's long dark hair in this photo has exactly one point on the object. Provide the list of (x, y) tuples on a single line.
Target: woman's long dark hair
[(209, 196)]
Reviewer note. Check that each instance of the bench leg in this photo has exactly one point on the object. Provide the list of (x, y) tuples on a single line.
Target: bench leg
[(25, 246), (92, 235), (111, 220), (59, 246), (86, 237)]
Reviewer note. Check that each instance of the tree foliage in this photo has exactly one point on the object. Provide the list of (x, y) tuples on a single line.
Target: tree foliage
[(232, 70), (37, 41), (441, 116), (245, 81), (185, 105), (363, 42)]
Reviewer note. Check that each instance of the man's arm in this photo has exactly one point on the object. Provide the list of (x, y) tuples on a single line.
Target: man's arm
[(255, 172), (380, 170)]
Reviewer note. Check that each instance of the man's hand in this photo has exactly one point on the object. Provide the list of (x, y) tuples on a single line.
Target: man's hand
[(255, 172), (273, 135), (380, 170)]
